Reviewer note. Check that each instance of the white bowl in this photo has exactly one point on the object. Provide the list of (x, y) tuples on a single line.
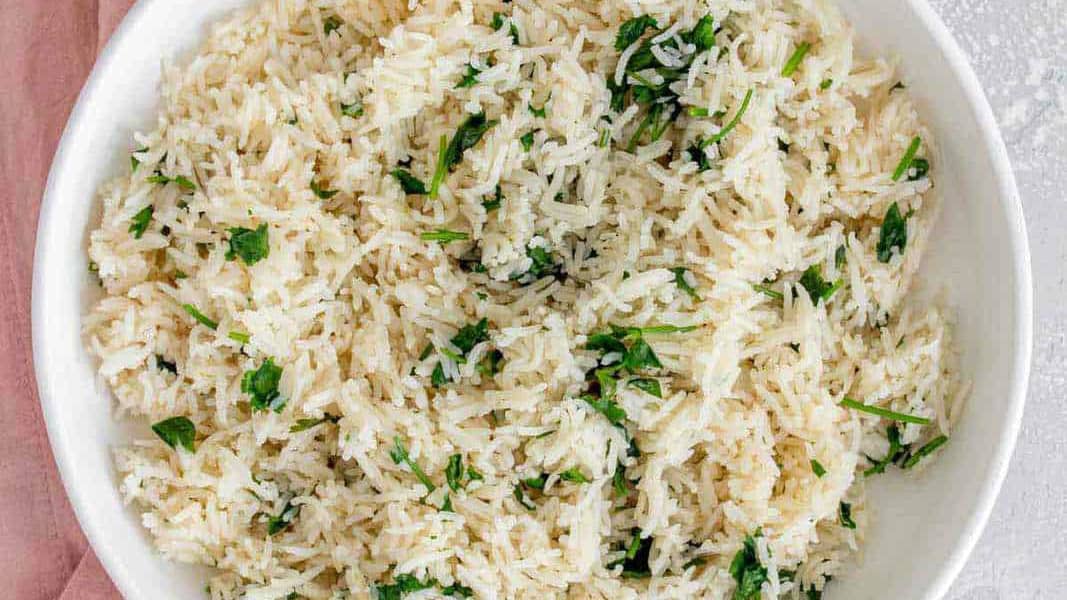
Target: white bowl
[(924, 526)]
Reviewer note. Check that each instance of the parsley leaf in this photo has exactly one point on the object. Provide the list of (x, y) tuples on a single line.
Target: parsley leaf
[(703, 34), (498, 22), (496, 202), (894, 234), (574, 475), (165, 365), (399, 454), (251, 245), (199, 316), (353, 110), (408, 182), (817, 468), (330, 24), (647, 385), (322, 192), (139, 222), (443, 236), (635, 561), (926, 449), (470, 78), (846, 516), (284, 519), (520, 496), (261, 385), (906, 160), (471, 335), (883, 412), (468, 135), (402, 585), (177, 431), (305, 424), (747, 571), (683, 284), (612, 411), (632, 30), (795, 60), (454, 471), (640, 356), (817, 288)]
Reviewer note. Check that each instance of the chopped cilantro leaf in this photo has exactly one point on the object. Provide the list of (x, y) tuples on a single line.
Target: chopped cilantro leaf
[(846, 516), (747, 571), (408, 182), (399, 454), (251, 245), (176, 431), (199, 316), (139, 222), (648, 385), (261, 385), (444, 236), (894, 234)]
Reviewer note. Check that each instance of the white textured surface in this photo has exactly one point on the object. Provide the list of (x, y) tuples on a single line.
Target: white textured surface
[(1019, 50)]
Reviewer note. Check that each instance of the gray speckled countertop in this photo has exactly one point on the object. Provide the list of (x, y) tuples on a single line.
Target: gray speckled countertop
[(1019, 50)]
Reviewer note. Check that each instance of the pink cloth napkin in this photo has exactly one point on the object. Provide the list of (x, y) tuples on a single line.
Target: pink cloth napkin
[(49, 47)]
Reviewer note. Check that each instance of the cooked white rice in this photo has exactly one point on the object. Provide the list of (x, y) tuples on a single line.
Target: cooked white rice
[(350, 296)]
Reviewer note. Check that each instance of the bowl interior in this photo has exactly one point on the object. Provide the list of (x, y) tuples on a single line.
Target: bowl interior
[(924, 526)]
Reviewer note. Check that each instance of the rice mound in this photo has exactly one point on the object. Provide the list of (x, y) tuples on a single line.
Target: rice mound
[(295, 114)]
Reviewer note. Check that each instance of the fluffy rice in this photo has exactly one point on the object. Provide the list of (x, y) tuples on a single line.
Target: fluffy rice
[(350, 296)]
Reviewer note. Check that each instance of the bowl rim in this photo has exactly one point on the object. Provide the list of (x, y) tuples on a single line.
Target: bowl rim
[(1009, 203)]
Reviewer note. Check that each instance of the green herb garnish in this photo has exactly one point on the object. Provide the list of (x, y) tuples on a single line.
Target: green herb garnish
[(747, 571), (261, 385), (177, 431), (632, 30), (354, 110), (520, 496), (454, 472), (408, 182), (239, 336), (718, 137), (499, 20), (894, 234), (612, 411), (139, 222), (883, 412), (251, 245), (846, 516), (794, 60), (927, 449), (470, 78), (399, 454), (647, 385), (305, 424), (161, 179), (768, 291), (165, 365), (467, 136), (825, 84), (906, 160), (817, 468), (199, 316), (322, 192), (635, 561), (527, 140), (818, 288), (496, 202), (683, 284), (284, 519), (443, 236), (330, 24), (402, 586), (574, 475)]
